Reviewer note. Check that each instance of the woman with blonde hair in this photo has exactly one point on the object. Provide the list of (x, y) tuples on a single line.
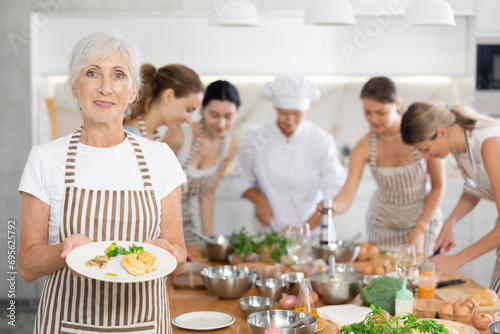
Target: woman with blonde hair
[(474, 140), (403, 209), (169, 97)]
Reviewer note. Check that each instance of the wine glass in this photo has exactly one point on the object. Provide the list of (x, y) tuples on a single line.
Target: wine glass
[(298, 243), (406, 261)]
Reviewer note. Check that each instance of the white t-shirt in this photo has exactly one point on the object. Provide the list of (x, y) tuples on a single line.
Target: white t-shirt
[(97, 168)]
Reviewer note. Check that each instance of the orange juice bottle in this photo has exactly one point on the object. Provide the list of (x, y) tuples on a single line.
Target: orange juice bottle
[(426, 280)]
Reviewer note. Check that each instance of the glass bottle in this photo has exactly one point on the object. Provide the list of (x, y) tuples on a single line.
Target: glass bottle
[(426, 279), (305, 300)]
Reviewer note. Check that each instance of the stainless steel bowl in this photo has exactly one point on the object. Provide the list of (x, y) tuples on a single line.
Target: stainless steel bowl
[(260, 321), (339, 289), (228, 282), (494, 327), (219, 247), (291, 282), (343, 253), (270, 287), (345, 268), (249, 305)]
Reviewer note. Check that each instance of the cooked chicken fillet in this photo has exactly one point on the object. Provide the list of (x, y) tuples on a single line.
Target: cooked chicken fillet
[(139, 264)]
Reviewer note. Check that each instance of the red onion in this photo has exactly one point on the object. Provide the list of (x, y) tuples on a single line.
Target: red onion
[(288, 302)]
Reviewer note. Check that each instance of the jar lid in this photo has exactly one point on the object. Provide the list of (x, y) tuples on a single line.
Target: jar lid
[(426, 266)]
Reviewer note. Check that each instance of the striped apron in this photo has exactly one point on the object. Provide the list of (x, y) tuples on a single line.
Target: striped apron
[(81, 305), (142, 128), (479, 191), (398, 201), (198, 183)]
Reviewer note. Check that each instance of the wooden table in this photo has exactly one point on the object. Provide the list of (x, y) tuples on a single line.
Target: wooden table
[(182, 301)]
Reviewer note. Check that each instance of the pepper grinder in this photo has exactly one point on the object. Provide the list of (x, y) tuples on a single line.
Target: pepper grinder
[(327, 231)]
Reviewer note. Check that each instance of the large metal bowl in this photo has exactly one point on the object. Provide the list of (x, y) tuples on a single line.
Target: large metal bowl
[(228, 282), (343, 253), (219, 247), (260, 321), (270, 287), (339, 289), (249, 305), (291, 282), (494, 327)]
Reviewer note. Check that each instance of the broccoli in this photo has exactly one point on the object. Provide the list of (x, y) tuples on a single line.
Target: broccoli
[(381, 292), (115, 250)]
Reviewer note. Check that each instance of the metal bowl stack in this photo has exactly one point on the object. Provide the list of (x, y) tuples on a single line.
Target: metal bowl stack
[(228, 282), (260, 321), (347, 252), (270, 287), (338, 289), (291, 282)]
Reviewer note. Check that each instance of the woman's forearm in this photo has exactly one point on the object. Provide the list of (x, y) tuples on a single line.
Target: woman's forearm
[(206, 213), (487, 243), (39, 260)]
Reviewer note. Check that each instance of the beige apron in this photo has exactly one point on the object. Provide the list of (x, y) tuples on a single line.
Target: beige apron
[(80, 305)]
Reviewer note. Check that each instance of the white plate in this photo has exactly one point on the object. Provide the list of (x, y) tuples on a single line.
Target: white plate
[(203, 320), (77, 257)]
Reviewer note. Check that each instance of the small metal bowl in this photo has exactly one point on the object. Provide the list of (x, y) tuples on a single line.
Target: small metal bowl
[(291, 282), (249, 305), (228, 282), (494, 327), (219, 248), (260, 321), (339, 289), (270, 287)]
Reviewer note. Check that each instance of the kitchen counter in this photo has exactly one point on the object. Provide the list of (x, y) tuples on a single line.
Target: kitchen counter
[(182, 301)]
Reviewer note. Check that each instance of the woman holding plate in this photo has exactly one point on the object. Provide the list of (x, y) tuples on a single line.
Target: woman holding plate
[(100, 183)]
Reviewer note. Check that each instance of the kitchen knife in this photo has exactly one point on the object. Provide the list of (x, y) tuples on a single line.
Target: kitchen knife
[(451, 282)]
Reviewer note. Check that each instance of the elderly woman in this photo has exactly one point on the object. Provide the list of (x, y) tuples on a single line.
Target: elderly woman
[(474, 140), (287, 167), (169, 97), (205, 149), (85, 187)]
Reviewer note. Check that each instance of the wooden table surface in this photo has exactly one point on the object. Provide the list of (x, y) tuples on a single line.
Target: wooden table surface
[(183, 300)]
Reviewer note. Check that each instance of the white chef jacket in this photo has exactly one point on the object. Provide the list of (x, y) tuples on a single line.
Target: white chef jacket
[(294, 173)]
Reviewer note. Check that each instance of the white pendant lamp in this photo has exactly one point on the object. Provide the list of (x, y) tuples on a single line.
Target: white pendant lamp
[(330, 12), (233, 13), (430, 13)]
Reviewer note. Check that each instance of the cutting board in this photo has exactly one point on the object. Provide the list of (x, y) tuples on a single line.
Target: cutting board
[(463, 293)]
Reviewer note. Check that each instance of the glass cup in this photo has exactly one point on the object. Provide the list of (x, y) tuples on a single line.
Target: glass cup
[(298, 243), (497, 316)]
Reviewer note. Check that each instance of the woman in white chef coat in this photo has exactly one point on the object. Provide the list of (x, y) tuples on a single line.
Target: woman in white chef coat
[(287, 167), (100, 183), (169, 96), (404, 208), (474, 140)]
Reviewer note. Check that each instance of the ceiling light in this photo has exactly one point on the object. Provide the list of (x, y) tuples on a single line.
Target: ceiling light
[(233, 13), (430, 13), (330, 12)]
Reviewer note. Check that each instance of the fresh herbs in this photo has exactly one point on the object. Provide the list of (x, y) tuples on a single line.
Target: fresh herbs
[(404, 323), (270, 245), (115, 250)]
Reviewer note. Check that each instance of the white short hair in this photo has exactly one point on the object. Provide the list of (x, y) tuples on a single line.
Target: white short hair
[(100, 45)]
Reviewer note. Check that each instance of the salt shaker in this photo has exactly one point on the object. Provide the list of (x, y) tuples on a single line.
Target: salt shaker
[(404, 300)]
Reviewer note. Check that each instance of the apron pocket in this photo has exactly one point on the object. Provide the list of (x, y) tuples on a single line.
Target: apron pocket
[(147, 327)]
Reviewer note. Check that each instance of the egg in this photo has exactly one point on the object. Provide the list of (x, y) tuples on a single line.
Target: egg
[(380, 269), (367, 269), (446, 309), (462, 310), (471, 301)]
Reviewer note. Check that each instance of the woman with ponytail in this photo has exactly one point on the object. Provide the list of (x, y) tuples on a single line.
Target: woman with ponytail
[(474, 140), (169, 97), (204, 150)]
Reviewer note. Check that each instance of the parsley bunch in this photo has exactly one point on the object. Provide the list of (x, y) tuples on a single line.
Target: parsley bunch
[(403, 323), (244, 244)]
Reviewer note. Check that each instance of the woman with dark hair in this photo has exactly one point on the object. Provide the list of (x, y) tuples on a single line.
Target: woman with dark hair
[(474, 140), (402, 209), (204, 150), (169, 97)]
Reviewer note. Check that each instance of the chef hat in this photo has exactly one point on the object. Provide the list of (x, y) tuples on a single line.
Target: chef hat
[(291, 92)]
